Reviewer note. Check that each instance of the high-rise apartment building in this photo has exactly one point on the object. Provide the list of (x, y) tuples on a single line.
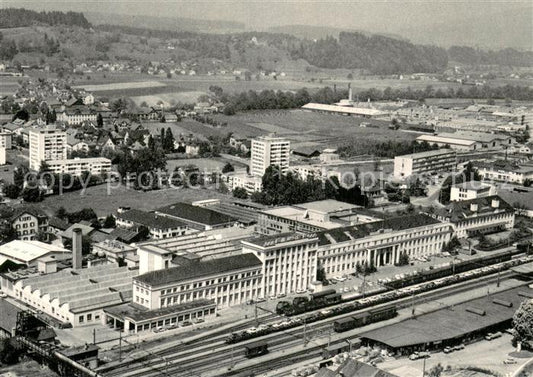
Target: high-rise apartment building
[(47, 144), (267, 151)]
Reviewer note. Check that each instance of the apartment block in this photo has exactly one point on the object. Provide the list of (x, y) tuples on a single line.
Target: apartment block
[(267, 151), (429, 162)]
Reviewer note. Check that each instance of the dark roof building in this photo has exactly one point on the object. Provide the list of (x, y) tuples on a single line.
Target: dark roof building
[(198, 269), (468, 320), (197, 217)]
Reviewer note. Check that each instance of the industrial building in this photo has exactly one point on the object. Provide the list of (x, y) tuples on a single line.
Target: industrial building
[(29, 253), (380, 243), (195, 217), (159, 226), (310, 217), (462, 323), (469, 141), (345, 110), (430, 162), (75, 296)]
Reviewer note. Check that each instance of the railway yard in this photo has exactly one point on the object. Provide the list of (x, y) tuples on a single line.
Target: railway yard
[(276, 342)]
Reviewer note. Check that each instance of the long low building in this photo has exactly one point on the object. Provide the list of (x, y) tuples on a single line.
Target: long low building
[(468, 141), (76, 166), (463, 323), (345, 110), (73, 296), (30, 252), (505, 171), (381, 243)]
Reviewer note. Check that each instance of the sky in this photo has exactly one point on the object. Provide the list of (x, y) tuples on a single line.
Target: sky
[(497, 22)]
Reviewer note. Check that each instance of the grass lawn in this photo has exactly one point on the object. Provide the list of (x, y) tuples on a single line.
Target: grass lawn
[(104, 203), (27, 368)]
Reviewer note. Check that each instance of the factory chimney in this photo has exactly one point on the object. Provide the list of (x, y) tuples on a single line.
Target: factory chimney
[(76, 248), (350, 94)]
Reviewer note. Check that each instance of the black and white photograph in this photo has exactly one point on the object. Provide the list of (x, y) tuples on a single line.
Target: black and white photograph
[(256, 188)]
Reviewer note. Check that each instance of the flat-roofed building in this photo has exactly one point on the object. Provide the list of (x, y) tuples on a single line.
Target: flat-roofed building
[(477, 216), (48, 143), (77, 166), (440, 160), (345, 110), (306, 217), (471, 190), (381, 242), (288, 261), (269, 151)]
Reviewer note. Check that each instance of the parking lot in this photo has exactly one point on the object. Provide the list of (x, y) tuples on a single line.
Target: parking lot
[(484, 354)]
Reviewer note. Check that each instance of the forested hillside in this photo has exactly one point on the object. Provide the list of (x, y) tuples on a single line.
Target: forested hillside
[(11, 18), (378, 54), (506, 57)]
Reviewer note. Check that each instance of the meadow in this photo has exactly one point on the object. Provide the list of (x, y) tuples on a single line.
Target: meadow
[(104, 202)]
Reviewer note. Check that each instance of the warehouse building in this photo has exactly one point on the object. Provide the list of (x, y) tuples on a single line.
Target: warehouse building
[(464, 323), (468, 141)]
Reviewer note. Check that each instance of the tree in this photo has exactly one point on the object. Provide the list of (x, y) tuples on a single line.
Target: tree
[(32, 194), (228, 168), (99, 120), (110, 222), (436, 371), (12, 191), (7, 233), (320, 273), (527, 182), (523, 325), (240, 193), (9, 354), (61, 213)]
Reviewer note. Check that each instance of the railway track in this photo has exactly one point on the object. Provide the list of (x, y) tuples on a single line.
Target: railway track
[(204, 356)]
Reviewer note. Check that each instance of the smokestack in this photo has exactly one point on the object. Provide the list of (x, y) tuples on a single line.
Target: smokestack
[(350, 94), (76, 248)]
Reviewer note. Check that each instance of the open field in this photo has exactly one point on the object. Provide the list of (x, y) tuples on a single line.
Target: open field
[(122, 85), (154, 96), (310, 128), (105, 202)]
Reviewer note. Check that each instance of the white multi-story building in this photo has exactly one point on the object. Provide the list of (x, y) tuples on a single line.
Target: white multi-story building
[(242, 180), (471, 190), (289, 261), (226, 281), (76, 166), (46, 144), (425, 163), (504, 171), (76, 117), (267, 151), (380, 243)]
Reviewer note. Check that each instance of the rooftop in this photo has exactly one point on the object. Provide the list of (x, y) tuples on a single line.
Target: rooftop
[(140, 313), (28, 251), (456, 211), (196, 214), (343, 109), (473, 186), (150, 219), (453, 323), (327, 206), (437, 152), (199, 269), (276, 239), (362, 230)]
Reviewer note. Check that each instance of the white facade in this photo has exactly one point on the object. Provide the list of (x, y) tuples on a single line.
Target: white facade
[(382, 247), (76, 118), (425, 163), (46, 144), (76, 166), (242, 180), (471, 190), (503, 174), (289, 262), (267, 151)]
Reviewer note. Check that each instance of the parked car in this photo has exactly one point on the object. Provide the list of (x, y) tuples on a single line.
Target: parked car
[(448, 350), (509, 361), (459, 347)]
